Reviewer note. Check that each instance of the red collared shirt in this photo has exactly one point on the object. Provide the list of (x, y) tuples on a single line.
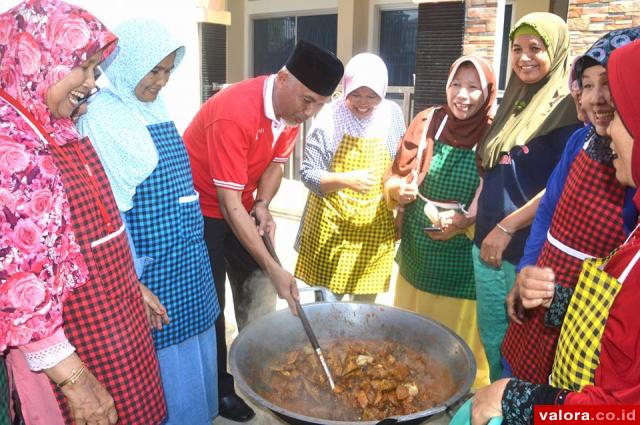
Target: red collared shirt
[(231, 142)]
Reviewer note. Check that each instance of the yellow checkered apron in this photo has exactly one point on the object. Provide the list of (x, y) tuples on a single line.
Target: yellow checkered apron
[(347, 238), (578, 352)]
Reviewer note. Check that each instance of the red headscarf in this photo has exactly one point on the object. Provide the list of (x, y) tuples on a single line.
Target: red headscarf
[(622, 69), (41, 41)]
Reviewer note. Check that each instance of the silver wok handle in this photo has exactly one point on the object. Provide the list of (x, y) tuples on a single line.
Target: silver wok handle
[(325, 294)]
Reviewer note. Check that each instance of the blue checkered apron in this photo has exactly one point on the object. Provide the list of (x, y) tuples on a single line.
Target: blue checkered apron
[(166, 225)]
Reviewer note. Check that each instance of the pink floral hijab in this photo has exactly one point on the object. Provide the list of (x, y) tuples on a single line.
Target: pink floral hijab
[(41, 41)]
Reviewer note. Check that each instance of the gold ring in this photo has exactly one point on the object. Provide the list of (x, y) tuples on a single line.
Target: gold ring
[(492, 258)]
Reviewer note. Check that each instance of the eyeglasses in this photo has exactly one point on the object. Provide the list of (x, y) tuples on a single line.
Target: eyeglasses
[(97, 72), (88, 96), (74, 113)]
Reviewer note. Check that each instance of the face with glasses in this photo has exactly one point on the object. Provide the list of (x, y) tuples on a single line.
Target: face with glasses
[(67, 97)]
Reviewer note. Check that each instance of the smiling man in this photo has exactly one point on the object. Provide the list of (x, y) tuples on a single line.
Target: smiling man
[(237, 144)]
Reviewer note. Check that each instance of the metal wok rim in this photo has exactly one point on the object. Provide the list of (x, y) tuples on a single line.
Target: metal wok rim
[(261, 401)]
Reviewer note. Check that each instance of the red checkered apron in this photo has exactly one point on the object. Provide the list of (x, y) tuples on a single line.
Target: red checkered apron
[(587, 222), (105, 318)]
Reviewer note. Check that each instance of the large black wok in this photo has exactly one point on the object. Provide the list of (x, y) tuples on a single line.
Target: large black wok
[(275, 334)]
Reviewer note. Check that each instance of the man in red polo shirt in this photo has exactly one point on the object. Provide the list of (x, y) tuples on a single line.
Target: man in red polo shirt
[(237, 144)]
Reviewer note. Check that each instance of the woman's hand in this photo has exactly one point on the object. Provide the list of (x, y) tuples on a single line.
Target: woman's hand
[(515, 311), (453, 218), (156, 313), (89, 401), (446, 233), (401, 191), (361, 181), (493, 246), (445, 219), (452, 223), (536, 286), (487, 402)]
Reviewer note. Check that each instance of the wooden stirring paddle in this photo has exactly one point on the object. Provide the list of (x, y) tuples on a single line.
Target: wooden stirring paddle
[(303, 318)]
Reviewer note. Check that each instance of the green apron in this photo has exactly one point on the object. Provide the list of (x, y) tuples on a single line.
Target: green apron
[(4, 395), (347, 238), (440, 267)]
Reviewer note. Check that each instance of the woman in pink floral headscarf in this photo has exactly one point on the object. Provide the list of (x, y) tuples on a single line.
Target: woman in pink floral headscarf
[(61, 237)]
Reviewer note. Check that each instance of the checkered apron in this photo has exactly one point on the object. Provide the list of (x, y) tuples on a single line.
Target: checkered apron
[(166, 225), (105, 319), (587, 223), (4, 395), (440, 267), (347, 239), (578, 352)]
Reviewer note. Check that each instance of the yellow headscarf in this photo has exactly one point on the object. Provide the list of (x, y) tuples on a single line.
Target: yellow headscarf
[(531, 110)]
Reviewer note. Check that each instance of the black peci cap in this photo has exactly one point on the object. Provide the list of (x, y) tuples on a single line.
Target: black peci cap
[(315, 67)]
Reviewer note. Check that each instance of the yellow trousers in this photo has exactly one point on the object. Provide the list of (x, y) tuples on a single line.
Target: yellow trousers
[(457, 314)]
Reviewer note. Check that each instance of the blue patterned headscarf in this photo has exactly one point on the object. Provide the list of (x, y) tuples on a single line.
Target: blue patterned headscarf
[(116, 121), (600, 51)]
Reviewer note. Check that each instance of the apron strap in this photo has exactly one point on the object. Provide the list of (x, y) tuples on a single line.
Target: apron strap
[(442, 124), (627, 269), (26, 116), (567, 249), (422, 144), (633, 262)]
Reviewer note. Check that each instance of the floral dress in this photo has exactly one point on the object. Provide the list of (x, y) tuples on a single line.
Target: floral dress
[(61, 238)]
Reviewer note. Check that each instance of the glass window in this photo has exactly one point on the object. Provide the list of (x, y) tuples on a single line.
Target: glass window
[(398, 31), (275, 38), (213, 58), (321, 30)]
